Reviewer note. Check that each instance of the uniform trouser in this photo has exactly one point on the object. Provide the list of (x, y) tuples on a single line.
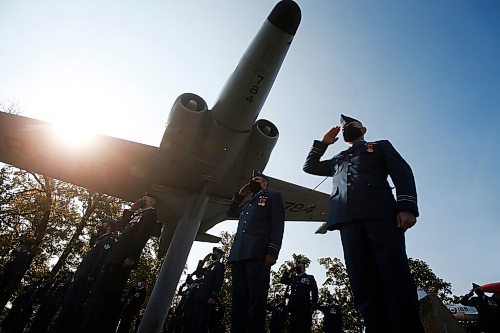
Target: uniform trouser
[(200, 315), (106, 306), (249, 295), (383, 287), (71, 311), (301, 321)]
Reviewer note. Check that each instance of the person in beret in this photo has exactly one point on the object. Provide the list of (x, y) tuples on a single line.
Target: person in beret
[(255, 249), (372, 224)]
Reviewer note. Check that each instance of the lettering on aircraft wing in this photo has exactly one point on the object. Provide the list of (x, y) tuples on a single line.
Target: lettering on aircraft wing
[(254, 89), (295, 207)]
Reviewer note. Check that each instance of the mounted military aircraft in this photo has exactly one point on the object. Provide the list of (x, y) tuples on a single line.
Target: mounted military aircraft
[(205, 155)]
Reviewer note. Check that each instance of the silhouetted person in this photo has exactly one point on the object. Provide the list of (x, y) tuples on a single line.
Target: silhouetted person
[(85, 276), (303, 298), (141, 223), (207, 295), (20, 312), (278, 310), (332, 316), (50, 303), (13, 271), (131, 306), (488, 309)]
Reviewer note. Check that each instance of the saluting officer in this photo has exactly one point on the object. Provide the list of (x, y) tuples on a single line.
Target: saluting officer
[(141, 223), (303, 298), (207, 295), (255, 249), (372, 224)]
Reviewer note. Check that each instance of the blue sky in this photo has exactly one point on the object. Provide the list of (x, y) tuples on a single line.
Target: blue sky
[(423, 74)]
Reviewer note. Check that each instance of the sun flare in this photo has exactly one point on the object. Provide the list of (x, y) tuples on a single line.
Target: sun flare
[(73, 134)]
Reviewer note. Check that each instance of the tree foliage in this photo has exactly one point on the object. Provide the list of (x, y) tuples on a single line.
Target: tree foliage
[(426, 279)]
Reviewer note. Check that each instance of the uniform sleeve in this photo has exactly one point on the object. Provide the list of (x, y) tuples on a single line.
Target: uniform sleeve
[(277, 225), (314, 291), (125, 219), (234, 208), (402, 177), (219, 279), (146, 228), (313, 165)]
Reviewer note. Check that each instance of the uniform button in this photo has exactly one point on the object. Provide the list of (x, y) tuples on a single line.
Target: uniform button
[(248, 213), (351, 154), (348, 184), (347, 174), (244, 221), (243, 231), (349, 163)]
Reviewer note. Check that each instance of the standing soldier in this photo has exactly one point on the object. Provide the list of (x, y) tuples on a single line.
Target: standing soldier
[(372, 224), (21, 311), (131, 307), (207, 295), (50, 303), (141, 223), (255, 249), (332, 316), (86, 274), (278, 318), (303, 298), (13, 271)]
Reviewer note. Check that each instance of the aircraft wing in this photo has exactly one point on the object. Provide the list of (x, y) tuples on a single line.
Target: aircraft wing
[(301, 203), (109, 165)]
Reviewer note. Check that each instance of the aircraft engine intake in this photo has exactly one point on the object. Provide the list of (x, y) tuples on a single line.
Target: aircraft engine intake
[(260, 144), (184, 124)]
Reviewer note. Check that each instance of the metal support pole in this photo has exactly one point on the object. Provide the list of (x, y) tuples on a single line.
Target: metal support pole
[(171, 270)]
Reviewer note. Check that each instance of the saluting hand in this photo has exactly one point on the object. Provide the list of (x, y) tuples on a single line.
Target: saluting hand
[(245, 190), (331, 136), (269, 260), (406, 220)]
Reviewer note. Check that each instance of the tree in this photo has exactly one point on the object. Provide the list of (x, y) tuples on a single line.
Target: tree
[(59, 217), (337, 281), (426, 279)]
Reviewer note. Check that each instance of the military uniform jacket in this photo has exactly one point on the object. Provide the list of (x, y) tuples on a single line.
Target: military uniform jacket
[(141, 225), (360, 188), (303, 293), (260, 227), (92, 262), (211, 283)]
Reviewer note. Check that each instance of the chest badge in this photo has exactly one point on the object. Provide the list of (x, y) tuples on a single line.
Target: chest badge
[(369, 147), (262, 201)]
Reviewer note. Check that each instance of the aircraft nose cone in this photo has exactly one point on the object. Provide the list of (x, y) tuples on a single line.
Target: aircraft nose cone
[(286, 16)]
